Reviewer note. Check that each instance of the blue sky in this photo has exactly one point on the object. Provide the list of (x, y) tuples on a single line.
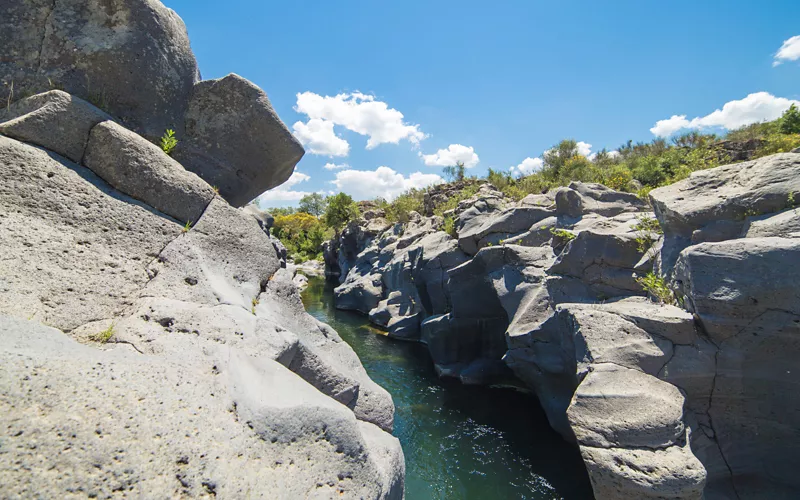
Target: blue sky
[(508, 79)]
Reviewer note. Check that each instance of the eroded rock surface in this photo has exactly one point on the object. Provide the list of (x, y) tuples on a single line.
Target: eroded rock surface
[(688, 400)]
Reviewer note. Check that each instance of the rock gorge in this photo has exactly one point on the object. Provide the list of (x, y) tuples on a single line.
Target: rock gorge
[(154, 342), (694, 399)]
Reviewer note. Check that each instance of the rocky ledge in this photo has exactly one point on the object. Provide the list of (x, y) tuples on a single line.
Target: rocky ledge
[(692, 398), (153, 340)]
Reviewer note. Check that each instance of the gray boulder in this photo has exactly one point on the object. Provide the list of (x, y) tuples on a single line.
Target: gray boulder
[(140, 169), (131, 58), (54, 120), (241, 412), (633, 438), (606, 261), (660, 474), (729, 192), (505, 224), (744, 293), (235, 141), (785, 224), (92, 242)]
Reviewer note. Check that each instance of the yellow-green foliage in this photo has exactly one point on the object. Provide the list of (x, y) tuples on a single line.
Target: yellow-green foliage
[(302, 234), (647, 231), (168, 141), (410, 201), (453, 201), (450, 226), (657, 287), (563, 234), (104, 336)]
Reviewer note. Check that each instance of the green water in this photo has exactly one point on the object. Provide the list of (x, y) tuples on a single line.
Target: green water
[(459, 442)]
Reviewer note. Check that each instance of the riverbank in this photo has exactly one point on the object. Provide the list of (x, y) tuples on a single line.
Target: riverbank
[(458, 441)]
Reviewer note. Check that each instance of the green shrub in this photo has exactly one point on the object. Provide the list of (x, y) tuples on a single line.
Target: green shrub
[(790, 121), (450, 226), (657, 288), (453, 201), (565, 235), (168, 141), (403, 205), (314, 204), (647, 230), (341, 210)]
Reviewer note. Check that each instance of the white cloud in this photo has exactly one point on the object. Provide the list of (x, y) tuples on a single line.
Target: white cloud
[(362, 114), (584, 148), (789, 51), (450, 156), (320, 139), (333, 166), (383, 182), (528, 166), (757, 107), (665, 128), (284, 192)]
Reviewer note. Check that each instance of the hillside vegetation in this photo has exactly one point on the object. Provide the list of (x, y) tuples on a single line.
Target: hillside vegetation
[(635, 168)]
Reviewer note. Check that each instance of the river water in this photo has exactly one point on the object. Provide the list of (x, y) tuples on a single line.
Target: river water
[(459, 442)]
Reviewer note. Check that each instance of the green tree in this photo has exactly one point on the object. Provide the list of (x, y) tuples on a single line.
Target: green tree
[(790, 121), (313, 204), (341, 210), (455, 173)]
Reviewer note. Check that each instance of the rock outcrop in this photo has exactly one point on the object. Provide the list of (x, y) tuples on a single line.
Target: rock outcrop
[(691, 400), (133, 60), (141, 355)]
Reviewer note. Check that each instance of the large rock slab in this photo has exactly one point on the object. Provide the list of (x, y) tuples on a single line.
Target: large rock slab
[(140, 169), (235, 141), (212, 422), (131, 58), (604, 337), (668, 474), (74, 249), (606, 261), (617, 407), (506, 223), (54, 120), (730, 192)]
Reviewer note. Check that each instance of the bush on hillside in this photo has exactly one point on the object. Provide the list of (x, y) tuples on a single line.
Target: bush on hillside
[(341, 209)]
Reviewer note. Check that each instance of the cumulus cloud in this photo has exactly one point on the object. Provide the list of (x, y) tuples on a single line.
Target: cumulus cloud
[(584, 148), (449, 157), (359, 113), (284, 192), (383, 182), (757, 107), (320, 139), (528, 166), (789, 51), (333, 166)]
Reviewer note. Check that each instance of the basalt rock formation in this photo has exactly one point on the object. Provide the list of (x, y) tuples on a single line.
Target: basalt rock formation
[(132, 59), (694, 399), (141, 355)]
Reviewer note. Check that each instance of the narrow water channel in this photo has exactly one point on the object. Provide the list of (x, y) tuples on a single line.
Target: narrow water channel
[(459, 442)]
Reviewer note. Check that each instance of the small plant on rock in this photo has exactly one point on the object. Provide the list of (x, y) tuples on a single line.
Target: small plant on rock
[(187, 226), (563, 234), (168, 141), (657, 287), (647, 230), (104, 336)]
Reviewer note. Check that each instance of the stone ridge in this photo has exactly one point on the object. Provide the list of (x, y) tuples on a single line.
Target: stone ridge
[(152, 338), (692, 400)]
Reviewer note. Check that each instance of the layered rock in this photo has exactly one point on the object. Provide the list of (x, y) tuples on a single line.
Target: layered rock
[(691, 400), (142, 355)]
